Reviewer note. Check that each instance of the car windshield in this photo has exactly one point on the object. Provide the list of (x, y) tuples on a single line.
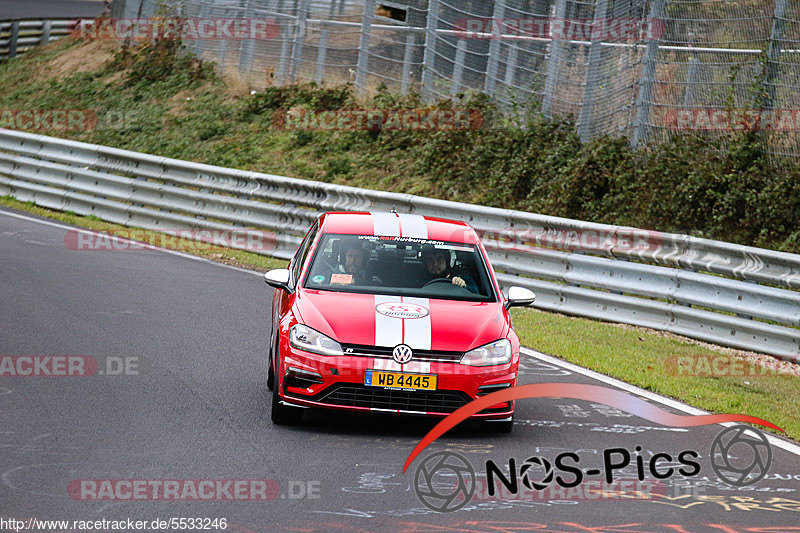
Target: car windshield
[(404, 266)]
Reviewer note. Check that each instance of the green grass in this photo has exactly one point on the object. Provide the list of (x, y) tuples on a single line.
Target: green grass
[(639, 356)]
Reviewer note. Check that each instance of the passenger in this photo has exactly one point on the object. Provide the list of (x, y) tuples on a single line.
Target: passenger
[(352, 267), (437, 266)]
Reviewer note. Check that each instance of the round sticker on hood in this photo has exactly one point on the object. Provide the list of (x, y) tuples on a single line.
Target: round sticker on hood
[(402, 310)]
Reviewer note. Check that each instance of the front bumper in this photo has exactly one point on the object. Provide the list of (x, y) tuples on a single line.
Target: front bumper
[(310, 380)]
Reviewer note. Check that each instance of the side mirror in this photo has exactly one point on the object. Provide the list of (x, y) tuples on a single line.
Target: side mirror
[(519, 297), (278, 278)]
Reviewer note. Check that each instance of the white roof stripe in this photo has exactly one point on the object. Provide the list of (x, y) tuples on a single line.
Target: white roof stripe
[(386, 224), (414, 226)]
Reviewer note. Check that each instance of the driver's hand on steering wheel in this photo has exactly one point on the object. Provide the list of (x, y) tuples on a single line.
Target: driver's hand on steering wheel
[(459, 282)]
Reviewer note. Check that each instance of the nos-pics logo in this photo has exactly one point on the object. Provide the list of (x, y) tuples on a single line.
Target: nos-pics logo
[(446, 481)]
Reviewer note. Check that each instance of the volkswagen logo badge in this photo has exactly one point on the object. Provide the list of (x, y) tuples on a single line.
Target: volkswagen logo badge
[(402, 353)]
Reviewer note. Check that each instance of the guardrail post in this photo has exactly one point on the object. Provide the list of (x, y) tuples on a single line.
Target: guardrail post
[(458, 68), (46, 26), (648, 77), (363, 46), (429, 58), (299, 39), (408, 54), (774, 53), (12, 40), (321, 51), (553, 60), (495, 46), (587, 102)]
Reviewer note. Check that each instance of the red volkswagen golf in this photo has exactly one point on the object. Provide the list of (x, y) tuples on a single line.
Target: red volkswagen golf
[(392, 313)]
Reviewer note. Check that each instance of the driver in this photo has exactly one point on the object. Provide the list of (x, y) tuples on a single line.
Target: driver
[(437, 266)]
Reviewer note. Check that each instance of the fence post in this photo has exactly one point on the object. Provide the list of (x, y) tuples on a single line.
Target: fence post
[(363, 45), (458, 67), (223, 46), (774, 53), (321, 51), (408, 54), (551, 79), (587, 102), (199, 44), (299, 39), (430, 49), (248, 46), (12, 40), (692, 77), (495, 45), (284, 63), (511, 64), (648, 78)]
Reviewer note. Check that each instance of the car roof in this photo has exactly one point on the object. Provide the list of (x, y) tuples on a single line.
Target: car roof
[(398, 225)]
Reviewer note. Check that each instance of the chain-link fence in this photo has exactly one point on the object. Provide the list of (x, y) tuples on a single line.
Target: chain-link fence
[(639, 68)]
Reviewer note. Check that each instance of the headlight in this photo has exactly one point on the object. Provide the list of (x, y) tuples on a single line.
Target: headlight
[(304, 338), (494, 353)]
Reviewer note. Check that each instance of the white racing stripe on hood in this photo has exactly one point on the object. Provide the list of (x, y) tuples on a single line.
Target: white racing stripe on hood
[(416, 332), (413, 226), (386, 224), (388, 330)]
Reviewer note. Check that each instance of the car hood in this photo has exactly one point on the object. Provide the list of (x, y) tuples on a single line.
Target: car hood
[(421, 323)]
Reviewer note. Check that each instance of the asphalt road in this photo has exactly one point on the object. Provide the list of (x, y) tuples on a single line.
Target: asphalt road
[(54, 9), (196, 407)]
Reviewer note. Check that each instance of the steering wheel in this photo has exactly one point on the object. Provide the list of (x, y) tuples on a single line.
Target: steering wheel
[(437, 280)]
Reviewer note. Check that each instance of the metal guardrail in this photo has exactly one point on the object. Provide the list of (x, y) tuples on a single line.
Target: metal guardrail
[(714, 291), (18, 36)]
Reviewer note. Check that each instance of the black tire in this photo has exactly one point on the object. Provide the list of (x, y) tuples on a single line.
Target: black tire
[(270, 371), (282, 415)]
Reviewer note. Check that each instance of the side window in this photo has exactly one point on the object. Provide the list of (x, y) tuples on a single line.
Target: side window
[(301, 254)]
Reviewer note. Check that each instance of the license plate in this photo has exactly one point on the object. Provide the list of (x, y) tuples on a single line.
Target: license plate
[(397, 380)]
